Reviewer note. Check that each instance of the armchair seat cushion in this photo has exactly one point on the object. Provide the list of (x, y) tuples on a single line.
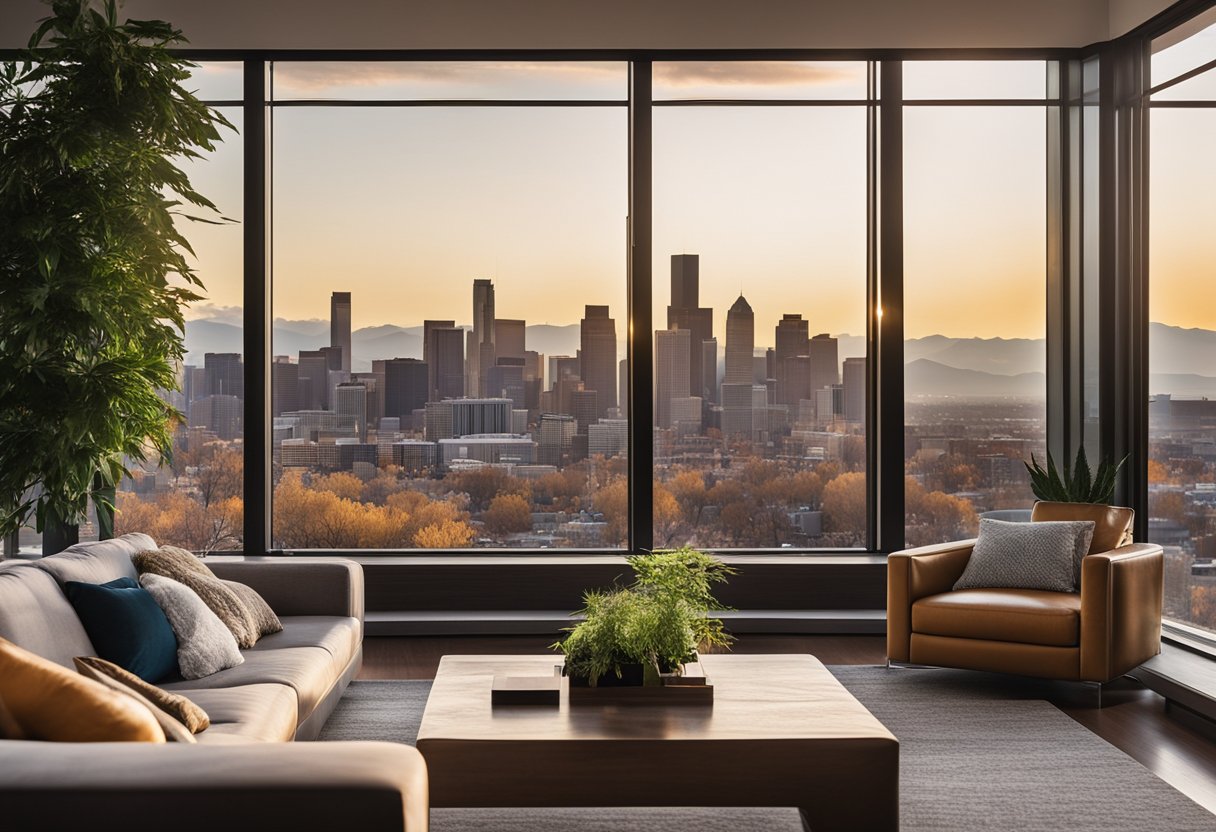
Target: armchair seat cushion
[(1026, 616)]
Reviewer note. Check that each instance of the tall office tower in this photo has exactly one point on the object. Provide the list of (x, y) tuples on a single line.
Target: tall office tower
[(554, 436), (829, 404), (284, 385), (482, 354), (196, 379), (509, 337), (219, 414), (685, 312), (855, 389), (584, 406), (506, 380), (405, 387), (445, 362), (738, 408), (792, 339), (225, 374), (339, 326), (709, 368), (473, 416), (438, 420), (314, 369), (562, 366), (740, 343), (597, 355), (797, 383), (534, 379), (352, 406), (760, 369), (623, 397), (375, 395), (671, 353), (429, 343), (565, 390), (825, 365)]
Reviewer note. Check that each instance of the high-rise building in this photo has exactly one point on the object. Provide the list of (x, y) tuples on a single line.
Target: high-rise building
[(471, 416), (509, 338), (339, 326), (444, 357), (219, 414), (685, 312), (352, 404), (562, 366), (597, 356), (825, 365), (584, 406), (284, 385), (314, 379), (405, 387), (855, 389), (671, 351), (506, 379), (482, 354), (791, 339), (740, 343), (225, 374), (623, 397), (608, 438), (709, 368), (554, 436)]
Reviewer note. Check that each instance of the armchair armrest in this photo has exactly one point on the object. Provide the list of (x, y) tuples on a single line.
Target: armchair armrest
[(200, 788), (300, 586), (917, 573), (1121, 597)]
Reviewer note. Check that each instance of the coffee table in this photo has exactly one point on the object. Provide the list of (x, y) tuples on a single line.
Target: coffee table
[(781, 732)]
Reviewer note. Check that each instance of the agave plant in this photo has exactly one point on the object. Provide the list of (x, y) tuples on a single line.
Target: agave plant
[(1078, 484)]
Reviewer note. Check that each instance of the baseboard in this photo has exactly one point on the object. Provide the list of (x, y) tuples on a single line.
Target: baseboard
[(551, 622)]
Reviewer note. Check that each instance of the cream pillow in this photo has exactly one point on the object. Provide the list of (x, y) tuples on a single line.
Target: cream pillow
[(204, 644)]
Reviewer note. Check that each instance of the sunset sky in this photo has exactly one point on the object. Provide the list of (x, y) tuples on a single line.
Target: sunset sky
[(405, 206)]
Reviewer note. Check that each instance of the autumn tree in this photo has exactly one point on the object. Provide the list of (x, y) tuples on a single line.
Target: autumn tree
[(844, 503), (508, 514)]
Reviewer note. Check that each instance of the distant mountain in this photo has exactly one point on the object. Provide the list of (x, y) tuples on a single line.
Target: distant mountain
[(1003, 356), (1182, 384), (923, 377), (1173, 349)]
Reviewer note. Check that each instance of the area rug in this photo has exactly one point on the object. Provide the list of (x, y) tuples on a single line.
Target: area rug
[(974, 755)]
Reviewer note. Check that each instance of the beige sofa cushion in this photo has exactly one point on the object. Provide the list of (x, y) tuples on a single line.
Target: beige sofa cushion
[(308, 670), (248, 713)]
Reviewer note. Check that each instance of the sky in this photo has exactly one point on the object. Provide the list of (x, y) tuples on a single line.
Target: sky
[(405, 206)]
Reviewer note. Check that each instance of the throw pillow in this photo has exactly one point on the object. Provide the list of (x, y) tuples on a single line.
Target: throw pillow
[(204, 644), (219, 598), (169, 561), (174, 704), (174, 730), (49, 702), (265, 622), (126, 626), (9, 729), (1025, 555)]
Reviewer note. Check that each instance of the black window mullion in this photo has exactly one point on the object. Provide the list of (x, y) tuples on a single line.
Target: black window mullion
[(640, 324)]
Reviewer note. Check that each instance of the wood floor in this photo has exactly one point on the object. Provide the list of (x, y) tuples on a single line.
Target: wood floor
[(1132, 718)]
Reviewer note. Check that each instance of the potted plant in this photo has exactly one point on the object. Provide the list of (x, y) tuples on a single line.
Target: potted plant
[(1077, 489), (93, 272), (634, 635)]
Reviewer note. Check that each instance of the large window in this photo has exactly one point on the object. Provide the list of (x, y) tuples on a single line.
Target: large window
[(975, 289), (760, 304), (449, 305), (1182, 329), (195, 499)]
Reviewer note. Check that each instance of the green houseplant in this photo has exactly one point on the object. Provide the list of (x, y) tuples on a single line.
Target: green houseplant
[(93, 272), (1076, 484), (633, 634)]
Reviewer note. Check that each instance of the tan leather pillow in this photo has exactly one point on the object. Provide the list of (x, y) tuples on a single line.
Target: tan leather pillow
[(9, 729), (183, 567), (49, 702), (187, 713), (1112, 524), (174, 730)]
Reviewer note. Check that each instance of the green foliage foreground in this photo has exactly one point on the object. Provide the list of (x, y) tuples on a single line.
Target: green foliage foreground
[(1077, 484), (660, 621), (93, 273)]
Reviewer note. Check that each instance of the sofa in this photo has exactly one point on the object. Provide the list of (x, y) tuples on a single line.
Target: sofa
[(245, 770)]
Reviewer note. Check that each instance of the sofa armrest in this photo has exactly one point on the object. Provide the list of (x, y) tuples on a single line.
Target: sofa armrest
[(300, 586), (917, 573), (201, 788), (1121, 597)]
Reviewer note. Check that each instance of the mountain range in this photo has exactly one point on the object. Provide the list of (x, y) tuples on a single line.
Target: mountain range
[(1182, 361)]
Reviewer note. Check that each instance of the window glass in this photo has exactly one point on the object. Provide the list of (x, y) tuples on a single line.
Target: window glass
[(1185, 48), (974, 312), (759, 80), (974, 79), (760, 308)]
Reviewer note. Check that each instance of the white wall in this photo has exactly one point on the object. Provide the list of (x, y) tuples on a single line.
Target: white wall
[(642, 24)]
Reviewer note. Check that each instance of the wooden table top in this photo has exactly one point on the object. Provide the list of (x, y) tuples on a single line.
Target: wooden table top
[(756, 697)]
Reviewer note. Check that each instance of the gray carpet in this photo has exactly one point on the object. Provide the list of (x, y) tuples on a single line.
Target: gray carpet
[(975, 754)]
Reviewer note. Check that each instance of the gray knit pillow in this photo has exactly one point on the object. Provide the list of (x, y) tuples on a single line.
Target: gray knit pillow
[(1027, 555), (204, 644)]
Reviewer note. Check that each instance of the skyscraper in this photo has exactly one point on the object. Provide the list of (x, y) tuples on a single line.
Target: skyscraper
[(709, 368), (314, 379), (284, 386), (225, 374), (740, 343), (825, 365), (671, 351), (443, 352), (597, 340), (855, 389), (405, 387), (482, 354), (686, 313), (792, 340), (509, 338), (352, 405), (339, 326)]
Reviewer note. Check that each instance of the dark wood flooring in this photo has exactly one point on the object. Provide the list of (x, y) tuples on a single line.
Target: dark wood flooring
[(1133, 719)]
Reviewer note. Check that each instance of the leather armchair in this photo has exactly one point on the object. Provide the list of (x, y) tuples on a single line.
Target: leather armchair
[(1108, 628)]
